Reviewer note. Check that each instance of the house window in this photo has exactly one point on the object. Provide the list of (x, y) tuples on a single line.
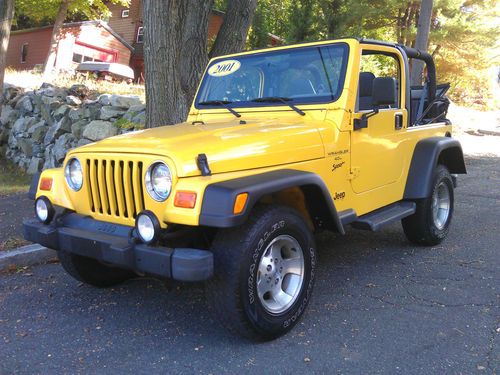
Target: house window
[(140, 35), (125, 13), (24, 52), (77, 58)]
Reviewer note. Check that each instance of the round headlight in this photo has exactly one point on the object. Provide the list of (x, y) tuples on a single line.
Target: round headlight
[(74, 174), (147, 227), (158, 181)]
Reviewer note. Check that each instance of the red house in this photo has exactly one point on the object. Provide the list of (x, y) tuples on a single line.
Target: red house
[(77, 42)]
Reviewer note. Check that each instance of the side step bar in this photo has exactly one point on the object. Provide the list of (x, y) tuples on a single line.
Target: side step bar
[(386, 215)]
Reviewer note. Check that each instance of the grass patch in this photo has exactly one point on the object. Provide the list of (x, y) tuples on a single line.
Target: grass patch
[(34, 79), (127, 125), (13, 179)]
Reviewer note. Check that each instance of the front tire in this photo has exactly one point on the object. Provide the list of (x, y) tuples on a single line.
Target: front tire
[(430, 223), (92, 272), (264, 273)]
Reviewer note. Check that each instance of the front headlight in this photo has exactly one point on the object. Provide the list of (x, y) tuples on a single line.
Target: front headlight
[(74, 174), (158, 181)]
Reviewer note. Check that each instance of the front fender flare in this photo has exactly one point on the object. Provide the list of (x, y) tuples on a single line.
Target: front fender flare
[(219, 198)]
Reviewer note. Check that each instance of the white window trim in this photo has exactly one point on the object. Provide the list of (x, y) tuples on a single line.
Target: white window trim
[(140, 32), (125, 13)]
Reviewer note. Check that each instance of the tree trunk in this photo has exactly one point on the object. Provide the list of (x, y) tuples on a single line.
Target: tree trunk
[(409, 21), (331, 11), (233, 32), (6, 14), (175, 51), (175, 55), (422, 41), (194, 55), (54, 40)]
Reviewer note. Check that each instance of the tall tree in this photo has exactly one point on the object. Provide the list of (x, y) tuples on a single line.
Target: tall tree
[(422, 40), (62, 13), (233, 32), (175, 52), (6, 15), (302, 21)]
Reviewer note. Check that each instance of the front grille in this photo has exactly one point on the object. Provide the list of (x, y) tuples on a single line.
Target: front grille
[(115, 187)]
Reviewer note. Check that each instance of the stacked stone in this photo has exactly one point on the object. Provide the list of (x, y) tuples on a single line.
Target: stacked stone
[(38, 128)]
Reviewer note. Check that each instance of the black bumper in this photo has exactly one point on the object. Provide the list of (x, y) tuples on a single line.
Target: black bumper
[(110, 243)]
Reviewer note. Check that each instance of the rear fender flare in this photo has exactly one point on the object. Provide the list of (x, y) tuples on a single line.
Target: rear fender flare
[(427, 155)]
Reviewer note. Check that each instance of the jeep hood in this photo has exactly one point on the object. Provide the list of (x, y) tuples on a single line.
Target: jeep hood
[(229, 146)]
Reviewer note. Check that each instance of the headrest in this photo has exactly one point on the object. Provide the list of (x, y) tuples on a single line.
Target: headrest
[(366, 83)]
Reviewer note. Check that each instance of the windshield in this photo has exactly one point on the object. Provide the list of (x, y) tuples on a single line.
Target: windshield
[(298, 75)]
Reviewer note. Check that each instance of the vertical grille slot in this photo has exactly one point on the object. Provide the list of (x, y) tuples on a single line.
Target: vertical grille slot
[(141, 189), (89, 184), (101, 179), (136, 183), (110, 186), (127, 187), (120, 196), (95, 186)]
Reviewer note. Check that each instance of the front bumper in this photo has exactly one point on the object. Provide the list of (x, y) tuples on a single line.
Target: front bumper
[(111, 243)]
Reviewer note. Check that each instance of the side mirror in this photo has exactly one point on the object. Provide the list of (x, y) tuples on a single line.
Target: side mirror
[(384, 91)]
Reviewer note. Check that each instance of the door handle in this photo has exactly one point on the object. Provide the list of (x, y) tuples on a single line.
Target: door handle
[(398, 121)]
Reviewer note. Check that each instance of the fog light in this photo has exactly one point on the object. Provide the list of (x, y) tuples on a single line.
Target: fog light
[(147, 227), (44, 210)]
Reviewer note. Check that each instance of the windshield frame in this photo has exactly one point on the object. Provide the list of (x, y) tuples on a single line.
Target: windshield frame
[(295, 101)]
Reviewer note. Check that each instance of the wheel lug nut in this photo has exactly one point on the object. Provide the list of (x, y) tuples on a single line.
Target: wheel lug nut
[(269, 268)]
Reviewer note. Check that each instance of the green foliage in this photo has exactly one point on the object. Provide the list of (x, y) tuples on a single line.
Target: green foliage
[(45, 11), (271, 16)]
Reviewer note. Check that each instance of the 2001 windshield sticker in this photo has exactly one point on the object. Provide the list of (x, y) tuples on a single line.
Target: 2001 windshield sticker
[(224, 68)]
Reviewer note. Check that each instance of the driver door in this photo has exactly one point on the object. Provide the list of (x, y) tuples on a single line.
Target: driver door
[(377, 150)]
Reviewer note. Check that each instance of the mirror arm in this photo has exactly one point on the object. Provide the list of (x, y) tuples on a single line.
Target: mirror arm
[(361, 123)]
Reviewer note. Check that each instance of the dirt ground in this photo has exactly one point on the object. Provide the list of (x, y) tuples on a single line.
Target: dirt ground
[(475, 130)]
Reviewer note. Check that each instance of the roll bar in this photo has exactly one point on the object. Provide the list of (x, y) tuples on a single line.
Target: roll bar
[(414, 53)]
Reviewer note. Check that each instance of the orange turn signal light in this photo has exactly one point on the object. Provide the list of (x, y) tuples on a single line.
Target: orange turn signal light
[(185, 199), (239, 203), (46, 183)]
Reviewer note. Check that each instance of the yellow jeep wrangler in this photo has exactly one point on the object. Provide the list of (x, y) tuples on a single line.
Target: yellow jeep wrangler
[(279, 144)]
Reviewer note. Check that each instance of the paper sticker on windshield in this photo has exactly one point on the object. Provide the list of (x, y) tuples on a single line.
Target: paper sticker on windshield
[(224, 68)]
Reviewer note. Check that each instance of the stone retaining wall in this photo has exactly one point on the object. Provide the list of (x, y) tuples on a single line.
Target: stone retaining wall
[(37, 128)]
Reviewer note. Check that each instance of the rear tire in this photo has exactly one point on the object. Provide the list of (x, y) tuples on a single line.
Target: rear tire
[(264, 273), (430, 223), (90, 271)]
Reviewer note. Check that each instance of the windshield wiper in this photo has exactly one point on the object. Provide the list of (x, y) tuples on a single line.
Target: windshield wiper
[(222, 103), (279, 99)]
